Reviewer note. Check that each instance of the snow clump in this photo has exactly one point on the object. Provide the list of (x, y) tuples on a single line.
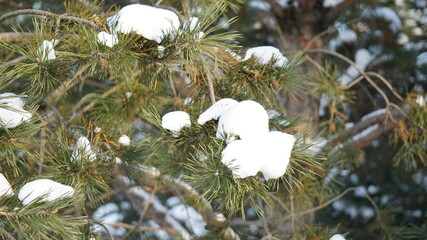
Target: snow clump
[(191, 217), (257, 149), (246, 119), (215, 111), (44, 189), (83, 151), (269, 154), (150, 22), (337, 237), (5, 188), (421, 100), (264, 54), (46, 51), (391, 16), (11, 112), (109, 40), (331, 3), (124, 140), (175, 121)]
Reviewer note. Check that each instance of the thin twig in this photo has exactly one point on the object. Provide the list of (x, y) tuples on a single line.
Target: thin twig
[(15, 4), (7, 235), (144, 211), (325, 51), (42, 149), (211, 88), (104, 227), (142, 229), (37, 12), (13, 61), (323, 205)]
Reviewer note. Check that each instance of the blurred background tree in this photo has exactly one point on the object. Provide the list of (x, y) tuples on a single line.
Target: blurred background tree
[(362, 107)]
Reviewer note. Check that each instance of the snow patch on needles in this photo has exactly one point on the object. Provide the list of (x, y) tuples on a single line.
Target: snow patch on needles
[(46, 51), (83, 151), (193, 220), (107, 39), (124, 140), (11, 112), (264, 54), (215, 111), (175, 121), (5, 188), (193, 24), (45, 189), (150, 22)]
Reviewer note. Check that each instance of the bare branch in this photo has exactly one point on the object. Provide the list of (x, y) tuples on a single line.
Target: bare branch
[(15, 4), (43, 13), (14, 37)]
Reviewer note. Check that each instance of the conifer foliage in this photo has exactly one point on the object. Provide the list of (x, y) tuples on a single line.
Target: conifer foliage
[(147, 122)]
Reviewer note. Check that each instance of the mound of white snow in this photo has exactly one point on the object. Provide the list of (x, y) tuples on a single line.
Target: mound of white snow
[(150, 22), (264, 54), (175, 121), (83, 151), (45, 189), (5, 188)]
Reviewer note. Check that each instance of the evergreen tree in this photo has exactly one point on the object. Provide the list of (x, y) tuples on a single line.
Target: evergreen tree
[(145, 122)]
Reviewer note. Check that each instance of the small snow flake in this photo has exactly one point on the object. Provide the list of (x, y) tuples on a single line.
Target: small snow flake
[(45, 189), (124, 140), (175, 121)]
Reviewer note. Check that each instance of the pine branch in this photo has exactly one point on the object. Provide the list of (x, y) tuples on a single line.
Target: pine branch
[(14, 37), (142, 229), (15, 4), (6, 234), (43, 13)]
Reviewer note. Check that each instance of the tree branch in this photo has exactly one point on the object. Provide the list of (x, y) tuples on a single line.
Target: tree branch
[(15, 4), (36, 12), (338, 10), (14, 37)]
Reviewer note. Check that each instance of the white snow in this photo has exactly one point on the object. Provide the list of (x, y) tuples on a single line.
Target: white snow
[(365, 132), (124, 140), (128, 95), (264, 54), (97, 130), (172, 201), (46, 51), (192, 24), (5, 188), (372, 189), (215, 111), (331, 3), (323, 104), (421, 100), (175, 121), (374, 114), (337, 237), (11, 99), (421, 59), (247, 119), (107, 39), (83, 151), (402, 39), (11, 112), (367, 212), (391, 16), (109, 214), (362, 58), (193, 220), (269, 154), (45, 189), (360, 191), (347, 36), (150, 22)]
